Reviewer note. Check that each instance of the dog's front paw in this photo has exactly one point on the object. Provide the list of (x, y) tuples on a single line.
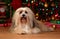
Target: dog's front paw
[(36, 30), (21, 33)]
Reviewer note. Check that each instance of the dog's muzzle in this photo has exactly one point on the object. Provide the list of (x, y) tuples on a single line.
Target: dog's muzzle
[(23, 18)]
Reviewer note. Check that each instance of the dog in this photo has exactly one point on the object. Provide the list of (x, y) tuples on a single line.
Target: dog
[(24, 22)]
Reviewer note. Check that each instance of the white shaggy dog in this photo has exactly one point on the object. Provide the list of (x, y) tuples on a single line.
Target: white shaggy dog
[(24, 22)]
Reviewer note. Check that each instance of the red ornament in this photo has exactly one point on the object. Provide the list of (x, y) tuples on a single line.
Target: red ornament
[(56, 15), (1, 25), (33, 4), (5, 24), (36, 4), (56, 11), (28, 5), (16, 4), (59, 5), (2, 11)]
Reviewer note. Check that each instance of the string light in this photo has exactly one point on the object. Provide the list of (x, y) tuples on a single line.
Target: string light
[(56, 15), (39, 9), (52, 4), (46, 5), (42, 3), (36, 14), (54, 26), (32, 1), (56, 6), (52, 18), (36, 17), (42, 9), (39, 3), (26, 0), (51, 12), (46, 13), (46, 9), (52, 8)]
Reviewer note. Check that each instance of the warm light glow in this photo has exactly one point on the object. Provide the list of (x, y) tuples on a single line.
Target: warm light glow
[(46, 13), (52, 4), (51, 12), (36, 14), (43, 9), (52, 18), (32, 1), (46, 5), (56, 15), (54, 26), (46, 9), (36, 17)]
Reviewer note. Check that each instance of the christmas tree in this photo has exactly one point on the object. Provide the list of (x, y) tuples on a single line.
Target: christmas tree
[(45, 10)]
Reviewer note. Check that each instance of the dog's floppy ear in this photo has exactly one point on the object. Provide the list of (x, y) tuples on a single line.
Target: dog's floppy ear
[(15, 19), (35, 22)]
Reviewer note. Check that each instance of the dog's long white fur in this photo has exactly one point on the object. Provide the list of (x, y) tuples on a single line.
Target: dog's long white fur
[(29, 27)]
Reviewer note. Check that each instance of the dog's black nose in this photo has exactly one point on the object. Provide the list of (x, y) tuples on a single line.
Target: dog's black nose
[(23, 15)]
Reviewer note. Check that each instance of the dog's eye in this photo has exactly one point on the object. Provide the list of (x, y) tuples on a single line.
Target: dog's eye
[(20, 12), (26, 12)]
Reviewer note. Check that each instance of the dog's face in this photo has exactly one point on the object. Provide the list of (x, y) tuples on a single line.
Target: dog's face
[(24, 14)]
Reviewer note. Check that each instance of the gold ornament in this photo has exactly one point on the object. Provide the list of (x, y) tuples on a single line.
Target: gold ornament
[(54, 26), (36, 14)]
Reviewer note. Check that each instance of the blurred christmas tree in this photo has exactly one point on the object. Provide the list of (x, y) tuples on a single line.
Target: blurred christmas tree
[(5, 13), (45, 10)]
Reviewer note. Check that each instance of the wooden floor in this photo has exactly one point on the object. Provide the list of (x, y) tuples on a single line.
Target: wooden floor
[(4, 34)]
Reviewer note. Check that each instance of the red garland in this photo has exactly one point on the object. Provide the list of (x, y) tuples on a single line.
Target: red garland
[(16, 4), (43, 0), (59, 5)]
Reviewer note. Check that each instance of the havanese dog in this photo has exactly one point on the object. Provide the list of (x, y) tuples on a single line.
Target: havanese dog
[(24, 22)]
